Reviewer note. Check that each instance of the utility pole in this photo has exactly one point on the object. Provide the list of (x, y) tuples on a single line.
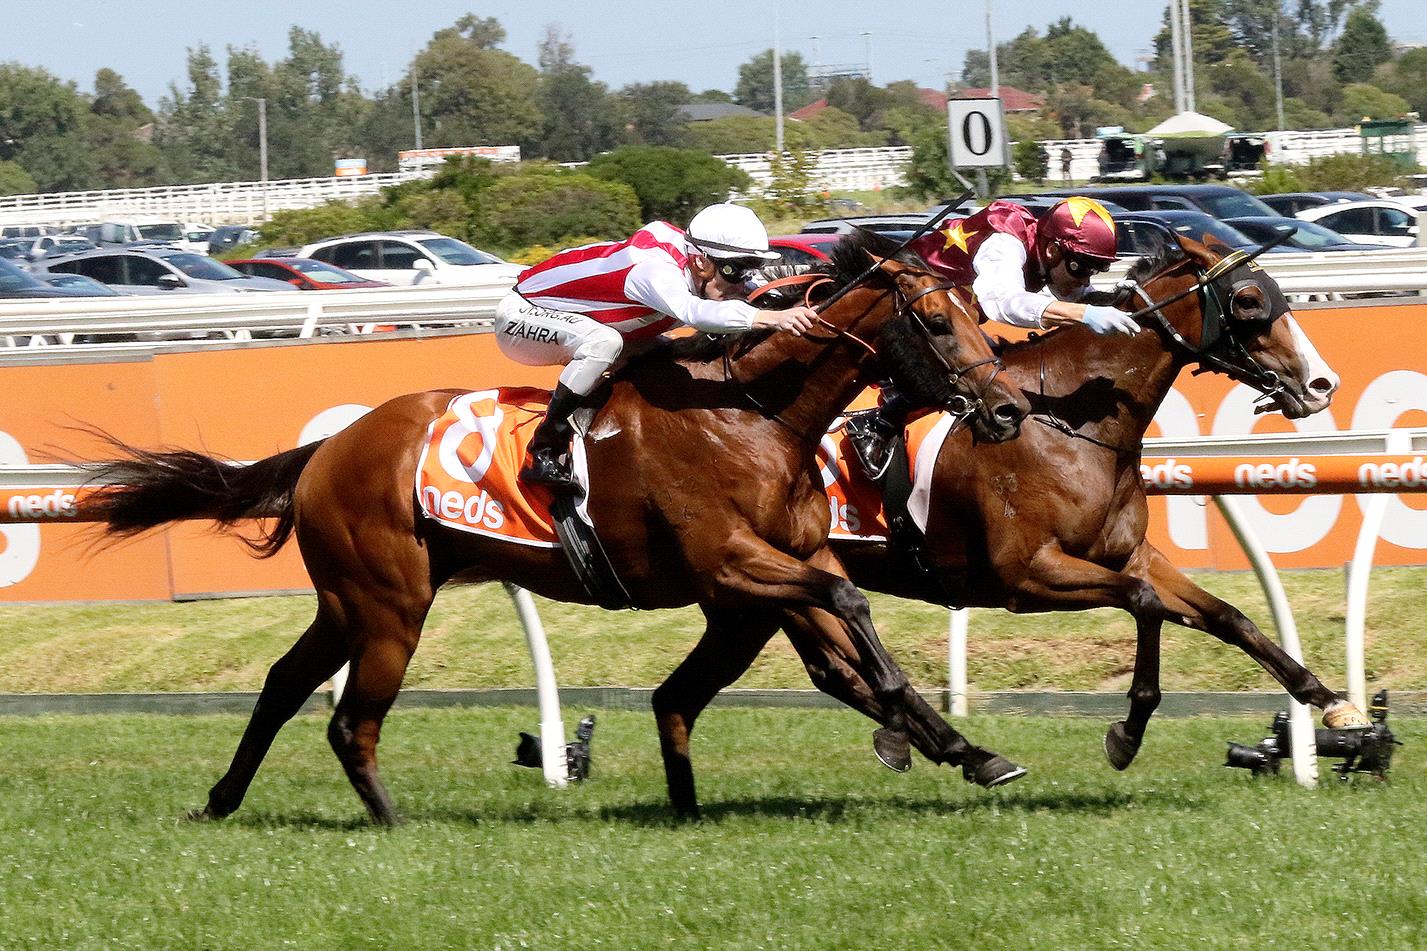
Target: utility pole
[(1188, 34), (777, 80), (867, 45), (1177, 55), (263, 151), (991, 52), (1277, 71), (416, 104)]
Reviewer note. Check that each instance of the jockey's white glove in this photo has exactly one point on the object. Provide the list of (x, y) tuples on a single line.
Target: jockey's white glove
[(1109, 320)]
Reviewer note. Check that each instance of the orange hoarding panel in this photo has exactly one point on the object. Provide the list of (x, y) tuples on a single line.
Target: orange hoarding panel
[(250, 402)]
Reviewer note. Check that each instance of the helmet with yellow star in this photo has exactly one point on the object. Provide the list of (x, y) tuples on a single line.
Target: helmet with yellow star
[(1081, 226)]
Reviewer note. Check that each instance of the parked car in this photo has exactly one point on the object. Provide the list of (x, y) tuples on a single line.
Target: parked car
[(52, 244), (16, 282), (196, 236), (132, 230), (26, 231), (1378, 221), (158, 269), (802, 250), (1220, 201), (411, 257), (1139, 232), (1291, 203), (16, 249), (867, 222), (1038, 205), (305, 274), (229, 236), (1307, 235)]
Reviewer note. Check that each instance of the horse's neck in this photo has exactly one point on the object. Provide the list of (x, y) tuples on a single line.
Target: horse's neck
[(805, 381), (1106, 388)]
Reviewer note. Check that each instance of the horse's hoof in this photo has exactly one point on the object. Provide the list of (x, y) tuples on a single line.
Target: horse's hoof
[(199, 815), (996, 771), (1342, 715), (1120, 747), (893, 749)]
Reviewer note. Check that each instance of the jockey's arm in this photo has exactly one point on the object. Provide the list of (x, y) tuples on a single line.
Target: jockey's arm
[(665, 288), (1000, 288)]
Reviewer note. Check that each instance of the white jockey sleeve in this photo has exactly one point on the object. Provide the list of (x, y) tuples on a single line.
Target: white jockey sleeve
[(664, 286), (1000, 284)]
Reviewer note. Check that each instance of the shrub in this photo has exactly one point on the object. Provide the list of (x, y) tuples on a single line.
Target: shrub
[(671, 184), (552, 208)]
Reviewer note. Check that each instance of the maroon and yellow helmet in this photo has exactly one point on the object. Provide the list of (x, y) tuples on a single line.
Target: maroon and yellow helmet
[(1080, 226)]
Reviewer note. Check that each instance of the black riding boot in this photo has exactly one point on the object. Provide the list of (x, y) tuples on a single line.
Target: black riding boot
[(545, 464), (871, 431)]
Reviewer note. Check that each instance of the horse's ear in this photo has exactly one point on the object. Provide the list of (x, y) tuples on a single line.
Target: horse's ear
[(1203, 255)]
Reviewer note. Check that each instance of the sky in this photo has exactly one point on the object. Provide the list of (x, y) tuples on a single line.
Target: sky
[(700, 44)]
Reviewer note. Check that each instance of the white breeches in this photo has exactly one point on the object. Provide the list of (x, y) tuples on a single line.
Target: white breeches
[(539, 337)]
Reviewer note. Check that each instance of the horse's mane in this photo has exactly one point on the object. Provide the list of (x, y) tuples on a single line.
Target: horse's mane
[(849, 258)]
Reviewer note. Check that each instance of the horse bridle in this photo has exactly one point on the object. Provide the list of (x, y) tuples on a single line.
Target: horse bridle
[(1212, 333), (958, 404), (1219, 349)]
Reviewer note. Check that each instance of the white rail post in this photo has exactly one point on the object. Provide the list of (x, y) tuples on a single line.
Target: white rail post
[(1300, 724), (1359, 573), (552, 729), (958, 704)]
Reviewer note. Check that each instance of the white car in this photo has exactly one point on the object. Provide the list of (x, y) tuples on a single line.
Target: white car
[(196, 235), (1380, 221), (412, 257)]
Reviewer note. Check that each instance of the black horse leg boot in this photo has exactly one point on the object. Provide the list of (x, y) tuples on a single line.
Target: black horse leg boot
[(871, 431), (544, 463)]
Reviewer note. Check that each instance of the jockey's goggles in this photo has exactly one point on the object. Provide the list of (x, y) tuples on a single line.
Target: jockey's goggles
[(1079, 265), (736, 270)]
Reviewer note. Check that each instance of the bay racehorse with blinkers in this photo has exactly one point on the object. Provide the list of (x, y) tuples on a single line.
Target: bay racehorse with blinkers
[(704, 485), (1055, 520)]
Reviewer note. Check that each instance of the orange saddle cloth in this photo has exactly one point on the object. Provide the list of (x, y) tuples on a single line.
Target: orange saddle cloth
[(467, 476), (854, 501)]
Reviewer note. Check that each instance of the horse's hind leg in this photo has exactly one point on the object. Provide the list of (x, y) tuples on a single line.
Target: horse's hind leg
[(731, 640), (815, 635), (315, 657), (356, 725)]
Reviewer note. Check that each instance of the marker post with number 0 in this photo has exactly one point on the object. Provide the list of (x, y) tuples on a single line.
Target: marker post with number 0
[(977, 133)]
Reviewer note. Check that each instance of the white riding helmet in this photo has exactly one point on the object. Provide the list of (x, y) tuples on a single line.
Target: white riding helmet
[(730, 231)]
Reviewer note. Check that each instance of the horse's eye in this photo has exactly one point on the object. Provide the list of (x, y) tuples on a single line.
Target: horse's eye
[(939, 324)]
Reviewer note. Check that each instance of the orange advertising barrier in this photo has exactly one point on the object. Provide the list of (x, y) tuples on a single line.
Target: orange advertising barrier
[(1294, 475), (250, 402)]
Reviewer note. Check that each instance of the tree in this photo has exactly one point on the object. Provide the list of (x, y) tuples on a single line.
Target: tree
[(118, 135), (1362, 46), (1407, 77), (672, 184), (43, 122), (651, 112), (473, 93), (194, 129), (14, 180), (755, 82), (1364, 101), (580, 118), (1211, 40)]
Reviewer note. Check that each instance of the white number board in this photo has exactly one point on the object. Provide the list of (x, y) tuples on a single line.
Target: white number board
[(978, 133)]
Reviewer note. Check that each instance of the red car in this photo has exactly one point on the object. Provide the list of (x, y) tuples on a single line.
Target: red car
[(304, 273), (803, 249)]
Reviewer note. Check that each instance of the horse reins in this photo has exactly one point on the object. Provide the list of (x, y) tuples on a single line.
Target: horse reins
[(1211, 332)]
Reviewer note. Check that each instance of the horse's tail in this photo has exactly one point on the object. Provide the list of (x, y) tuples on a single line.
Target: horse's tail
[(151, 488)]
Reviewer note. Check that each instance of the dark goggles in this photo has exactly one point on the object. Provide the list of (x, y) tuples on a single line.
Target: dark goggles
[(1080, 266), (736, 270)]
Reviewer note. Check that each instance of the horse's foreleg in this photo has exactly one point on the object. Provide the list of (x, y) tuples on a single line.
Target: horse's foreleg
[(1190, 605), (731, 640), (1062, 582), (815, 635), (314, 658)]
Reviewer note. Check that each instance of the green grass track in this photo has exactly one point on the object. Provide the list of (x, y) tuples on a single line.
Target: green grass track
[(807, 842)]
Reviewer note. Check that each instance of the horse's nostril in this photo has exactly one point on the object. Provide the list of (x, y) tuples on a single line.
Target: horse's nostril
[(1321, 384), (1009, 413)]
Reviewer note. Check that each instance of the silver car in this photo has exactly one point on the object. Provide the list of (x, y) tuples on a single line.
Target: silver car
[(157, 269)]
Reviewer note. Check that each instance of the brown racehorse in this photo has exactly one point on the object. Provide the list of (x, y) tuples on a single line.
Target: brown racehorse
[(1055, 520), (703, 482)]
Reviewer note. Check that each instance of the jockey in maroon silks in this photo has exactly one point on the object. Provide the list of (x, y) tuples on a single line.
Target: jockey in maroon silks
[(1021, 271)]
